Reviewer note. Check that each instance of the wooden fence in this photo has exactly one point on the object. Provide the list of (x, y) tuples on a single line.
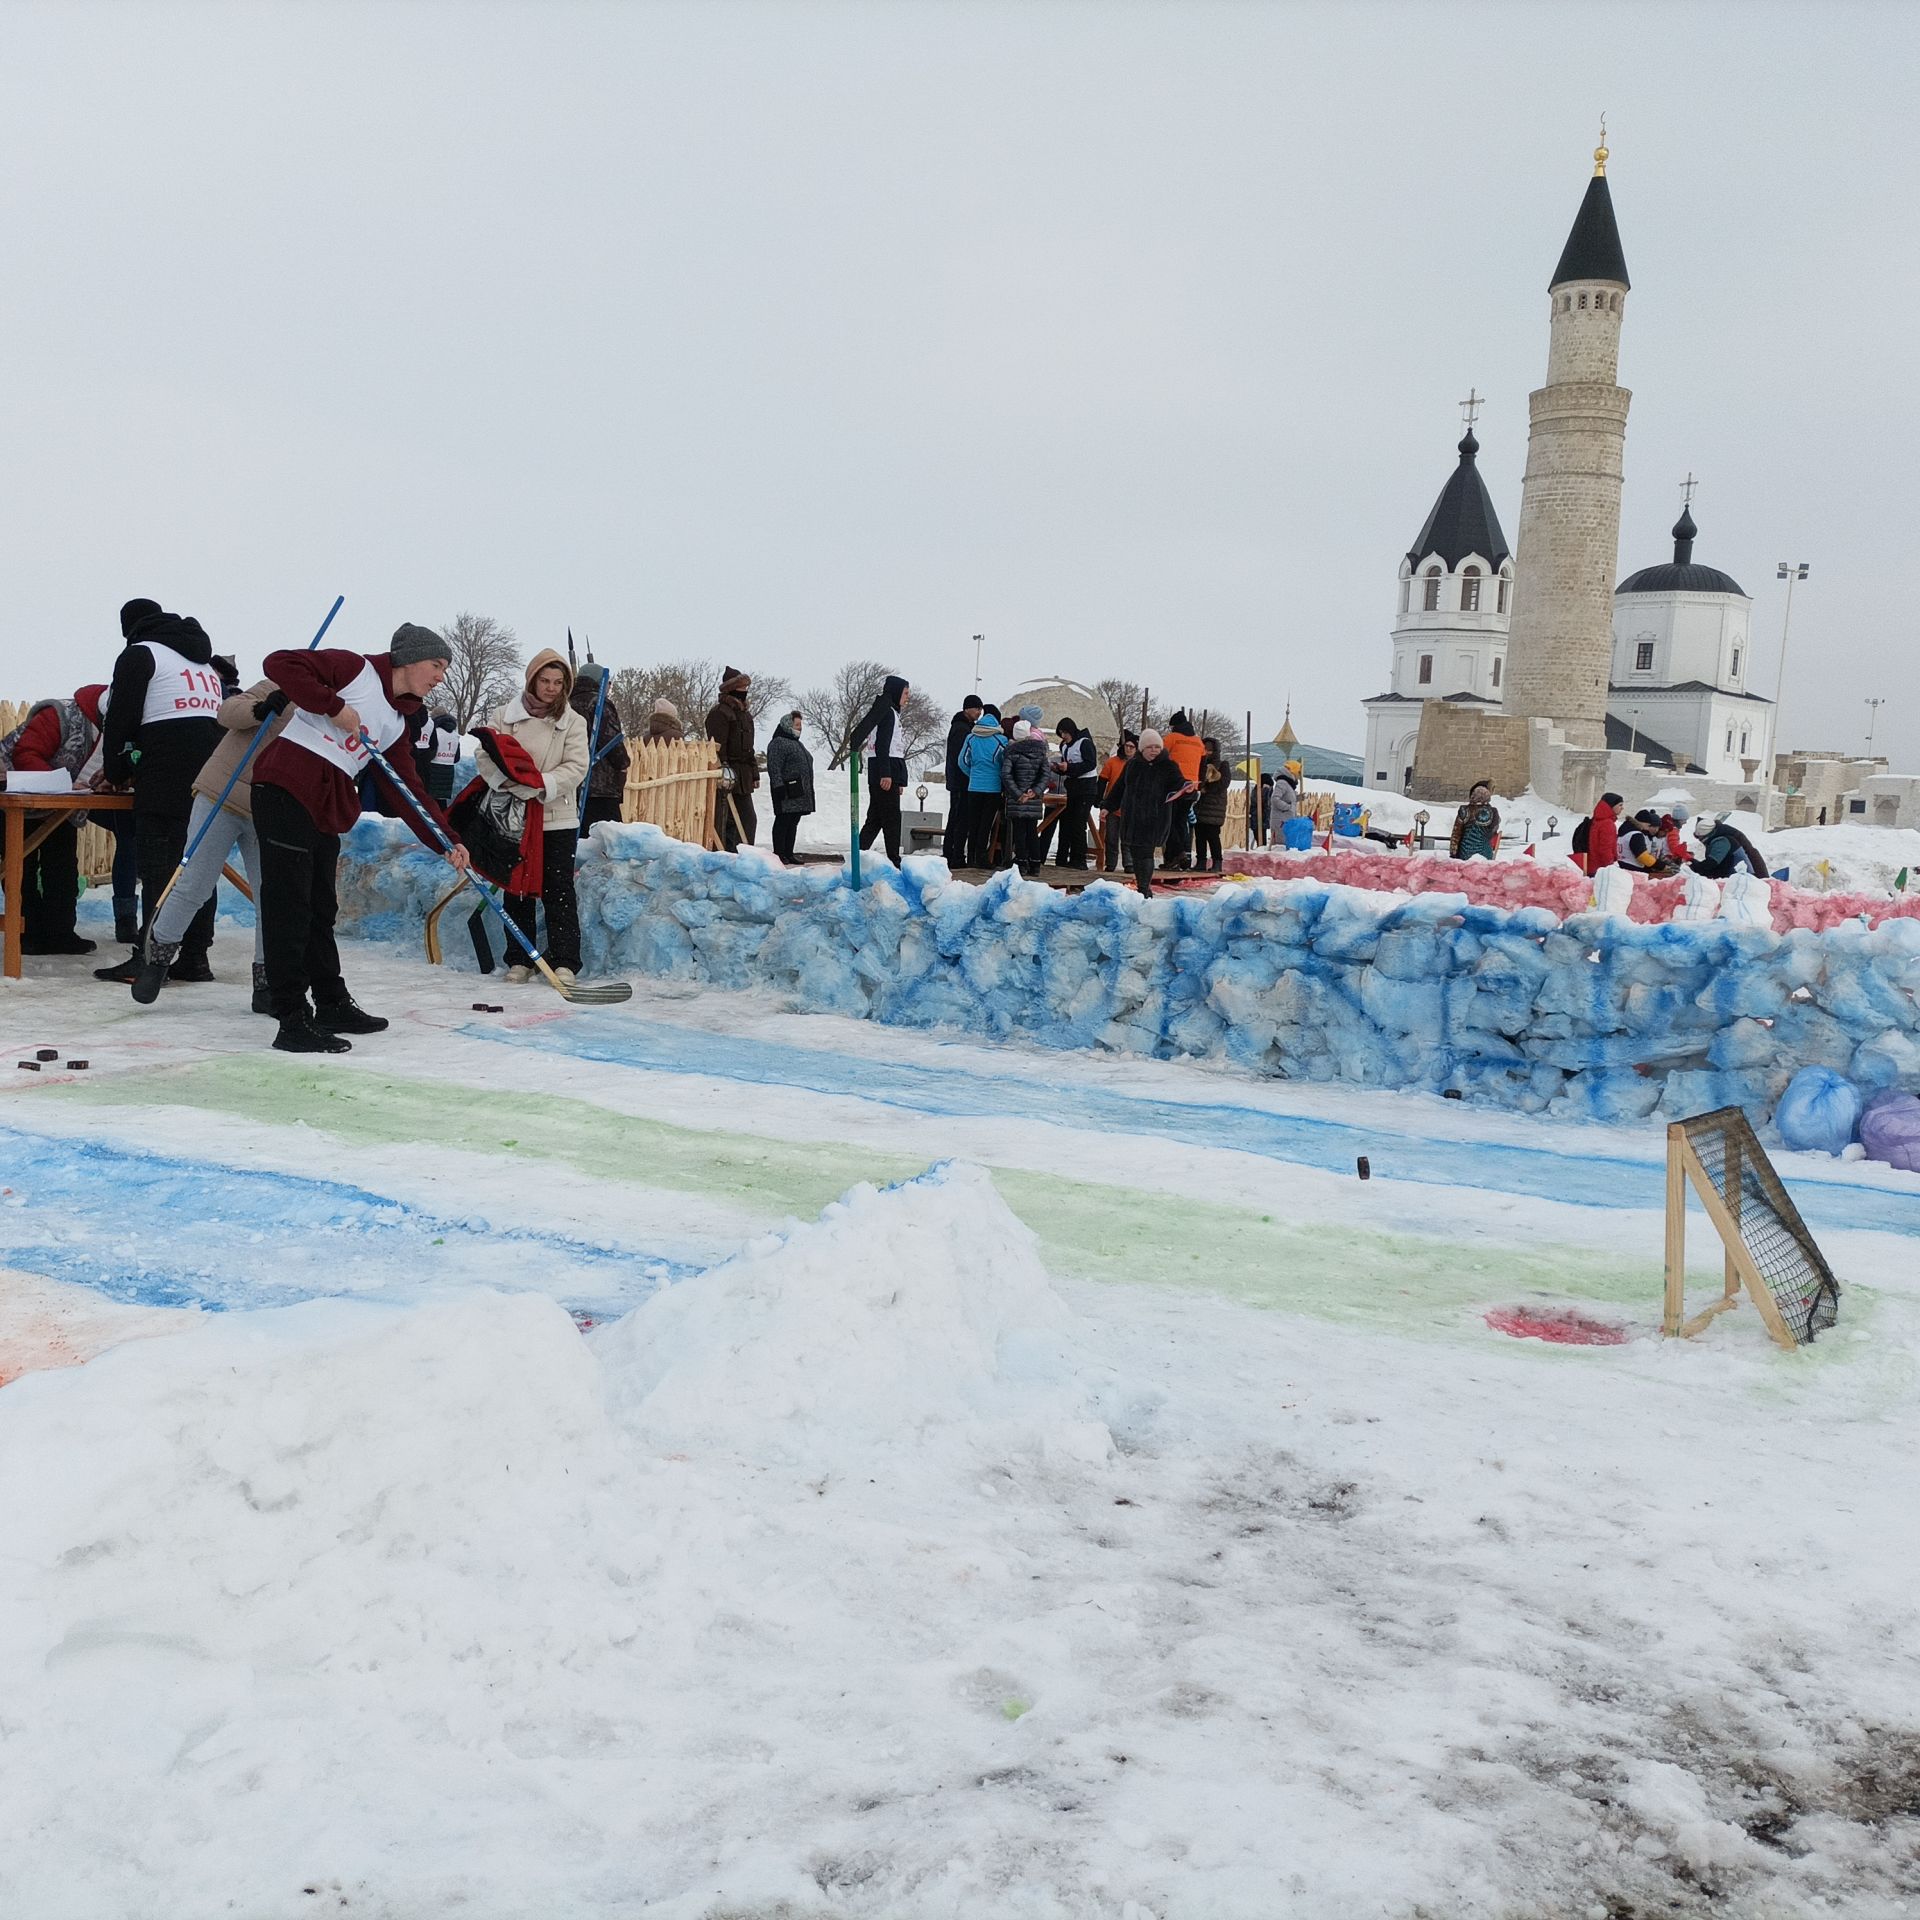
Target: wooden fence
[(672, 785), (96, 843)]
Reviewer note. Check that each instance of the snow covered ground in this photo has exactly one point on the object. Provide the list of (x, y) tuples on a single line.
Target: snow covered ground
[(1134, 1515)]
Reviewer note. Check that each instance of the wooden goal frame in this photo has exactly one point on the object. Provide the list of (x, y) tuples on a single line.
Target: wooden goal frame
[(1744, 1154)]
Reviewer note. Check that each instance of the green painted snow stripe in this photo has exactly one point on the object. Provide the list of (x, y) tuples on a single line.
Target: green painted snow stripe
[(1124, 1235)]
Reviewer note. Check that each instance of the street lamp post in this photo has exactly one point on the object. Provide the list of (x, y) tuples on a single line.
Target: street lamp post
[(979, 640), (1874, 704), (1789, 573)]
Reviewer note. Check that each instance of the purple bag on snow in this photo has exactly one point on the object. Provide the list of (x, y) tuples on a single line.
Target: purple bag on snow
[(1890, 1130)]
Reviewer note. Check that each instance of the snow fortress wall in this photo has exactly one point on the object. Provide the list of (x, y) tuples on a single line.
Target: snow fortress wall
[(1588, 1018)]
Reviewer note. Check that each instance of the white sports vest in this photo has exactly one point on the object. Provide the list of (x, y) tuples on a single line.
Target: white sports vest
[(178, 690), (368, 698), (446, 752)]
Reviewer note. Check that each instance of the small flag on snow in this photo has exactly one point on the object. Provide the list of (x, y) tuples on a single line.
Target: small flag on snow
[(1900, 881), (1530, 849)]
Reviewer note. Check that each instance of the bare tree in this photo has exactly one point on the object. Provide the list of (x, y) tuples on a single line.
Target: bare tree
[(484, 670), (1131, 705), (1210, 722), (693, 685)]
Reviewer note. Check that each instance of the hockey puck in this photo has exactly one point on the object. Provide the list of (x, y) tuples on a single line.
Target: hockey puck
[(28, 1066), (76, 1066), (46, 1053), (496, 1009), (480, 1006), (1363, 1167)]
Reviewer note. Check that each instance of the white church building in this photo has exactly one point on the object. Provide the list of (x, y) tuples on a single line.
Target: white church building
[(1682, 653), (1450, 638)]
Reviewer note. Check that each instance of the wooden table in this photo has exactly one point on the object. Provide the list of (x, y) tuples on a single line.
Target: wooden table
[(51, 810)]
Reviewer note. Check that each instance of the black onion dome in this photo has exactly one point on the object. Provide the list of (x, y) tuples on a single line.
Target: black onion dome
[(1463, 520)]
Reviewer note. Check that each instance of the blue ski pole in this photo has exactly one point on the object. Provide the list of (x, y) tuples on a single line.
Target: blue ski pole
[(594, 750), (594, 996), (233, 779)]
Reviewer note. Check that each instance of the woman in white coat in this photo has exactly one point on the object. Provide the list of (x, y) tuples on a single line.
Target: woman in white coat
[(556, 739)]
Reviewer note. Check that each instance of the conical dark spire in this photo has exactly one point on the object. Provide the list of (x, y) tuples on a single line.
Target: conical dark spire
[(1593, 250), (1684, 535), (1463, 520)]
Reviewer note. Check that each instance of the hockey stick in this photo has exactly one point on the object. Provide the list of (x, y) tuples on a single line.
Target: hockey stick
[(607, 996), (193, 846)]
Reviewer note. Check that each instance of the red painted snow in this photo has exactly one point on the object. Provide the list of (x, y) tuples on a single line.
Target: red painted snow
[(1563, 1326)]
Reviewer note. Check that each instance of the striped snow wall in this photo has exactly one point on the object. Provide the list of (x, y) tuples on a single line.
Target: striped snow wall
[(1590, 1018)]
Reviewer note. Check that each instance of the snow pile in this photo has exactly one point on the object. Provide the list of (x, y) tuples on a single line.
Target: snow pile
[(904, 1319), (1595, 1017)]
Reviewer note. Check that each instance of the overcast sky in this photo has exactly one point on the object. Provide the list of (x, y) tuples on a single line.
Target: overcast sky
[(1130, 336)]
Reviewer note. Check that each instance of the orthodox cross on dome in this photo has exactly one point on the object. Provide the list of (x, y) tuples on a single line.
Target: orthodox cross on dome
[(1600, 152), (1686, 490), (1471, 405)]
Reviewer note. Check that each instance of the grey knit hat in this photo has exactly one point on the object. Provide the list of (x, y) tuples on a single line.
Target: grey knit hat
[(413, 644)]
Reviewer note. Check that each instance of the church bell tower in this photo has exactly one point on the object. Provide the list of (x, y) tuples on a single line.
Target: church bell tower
[(1560, 647)]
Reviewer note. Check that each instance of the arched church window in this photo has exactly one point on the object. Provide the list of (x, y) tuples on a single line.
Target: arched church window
[(1432, 600), (1735, 674), (1426, 669), (1583, 300), (1643, 657), (1496, 657), (1501, 605), (1470, 590), (1406, 594)]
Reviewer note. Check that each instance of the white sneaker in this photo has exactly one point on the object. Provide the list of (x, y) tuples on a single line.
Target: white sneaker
[(564, 975), (519, 976)]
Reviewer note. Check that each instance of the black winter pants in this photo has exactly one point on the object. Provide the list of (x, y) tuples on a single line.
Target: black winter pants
[(983, 815), (1026, 841), (557, 896), (1207, 845), (1073, 827), (1110, 820), (1180, 834), (160, 840), (883, 821), (1140, 863), (297, 902), (953, 840), (786, 829), (50, 887), (600, 806), (723, 812)]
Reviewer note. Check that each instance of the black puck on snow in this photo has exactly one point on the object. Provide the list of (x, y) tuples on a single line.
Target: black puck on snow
[(1363, 1167), (76, 1066), (46, 1053), (28, 1066)]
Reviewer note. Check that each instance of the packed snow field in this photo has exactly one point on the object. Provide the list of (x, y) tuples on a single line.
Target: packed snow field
[(706, 1460)]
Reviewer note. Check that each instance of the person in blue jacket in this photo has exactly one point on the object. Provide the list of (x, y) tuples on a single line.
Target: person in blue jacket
[(980, 755)]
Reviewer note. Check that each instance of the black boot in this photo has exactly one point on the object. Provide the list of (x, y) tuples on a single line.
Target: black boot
[(153, 970), (343, 1016), (262, 993), (55, 943), (191, 968), (125, 974), (126, 924), (298, 1034)]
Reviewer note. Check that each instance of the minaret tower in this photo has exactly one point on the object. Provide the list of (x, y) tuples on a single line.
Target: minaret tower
[(1561, 642)]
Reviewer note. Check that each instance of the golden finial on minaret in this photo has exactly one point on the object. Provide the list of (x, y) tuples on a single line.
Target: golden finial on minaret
[(1600, 152)]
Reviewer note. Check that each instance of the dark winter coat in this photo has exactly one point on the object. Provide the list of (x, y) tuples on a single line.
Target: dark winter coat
[(1023, 776), (1728, 851), (957, 730), (1476, 833), (883, 727), (730, 728), (162, 759), (789, 771), (608, 781), (1144, 796), (1216, 782)]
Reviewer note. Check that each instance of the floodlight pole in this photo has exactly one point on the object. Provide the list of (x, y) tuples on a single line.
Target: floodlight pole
[(1789, 573)]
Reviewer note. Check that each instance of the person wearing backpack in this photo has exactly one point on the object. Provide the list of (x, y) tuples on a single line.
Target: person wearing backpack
[(1596, 840)]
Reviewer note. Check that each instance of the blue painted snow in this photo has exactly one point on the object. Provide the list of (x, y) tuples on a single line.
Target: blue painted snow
[(159, 1231), (1595, 1018), (626, 1040)]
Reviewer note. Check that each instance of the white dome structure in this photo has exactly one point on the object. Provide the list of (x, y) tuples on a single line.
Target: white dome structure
[(1065, 700)]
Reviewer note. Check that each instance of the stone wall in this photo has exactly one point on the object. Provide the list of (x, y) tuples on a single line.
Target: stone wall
[(1459, 745)]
